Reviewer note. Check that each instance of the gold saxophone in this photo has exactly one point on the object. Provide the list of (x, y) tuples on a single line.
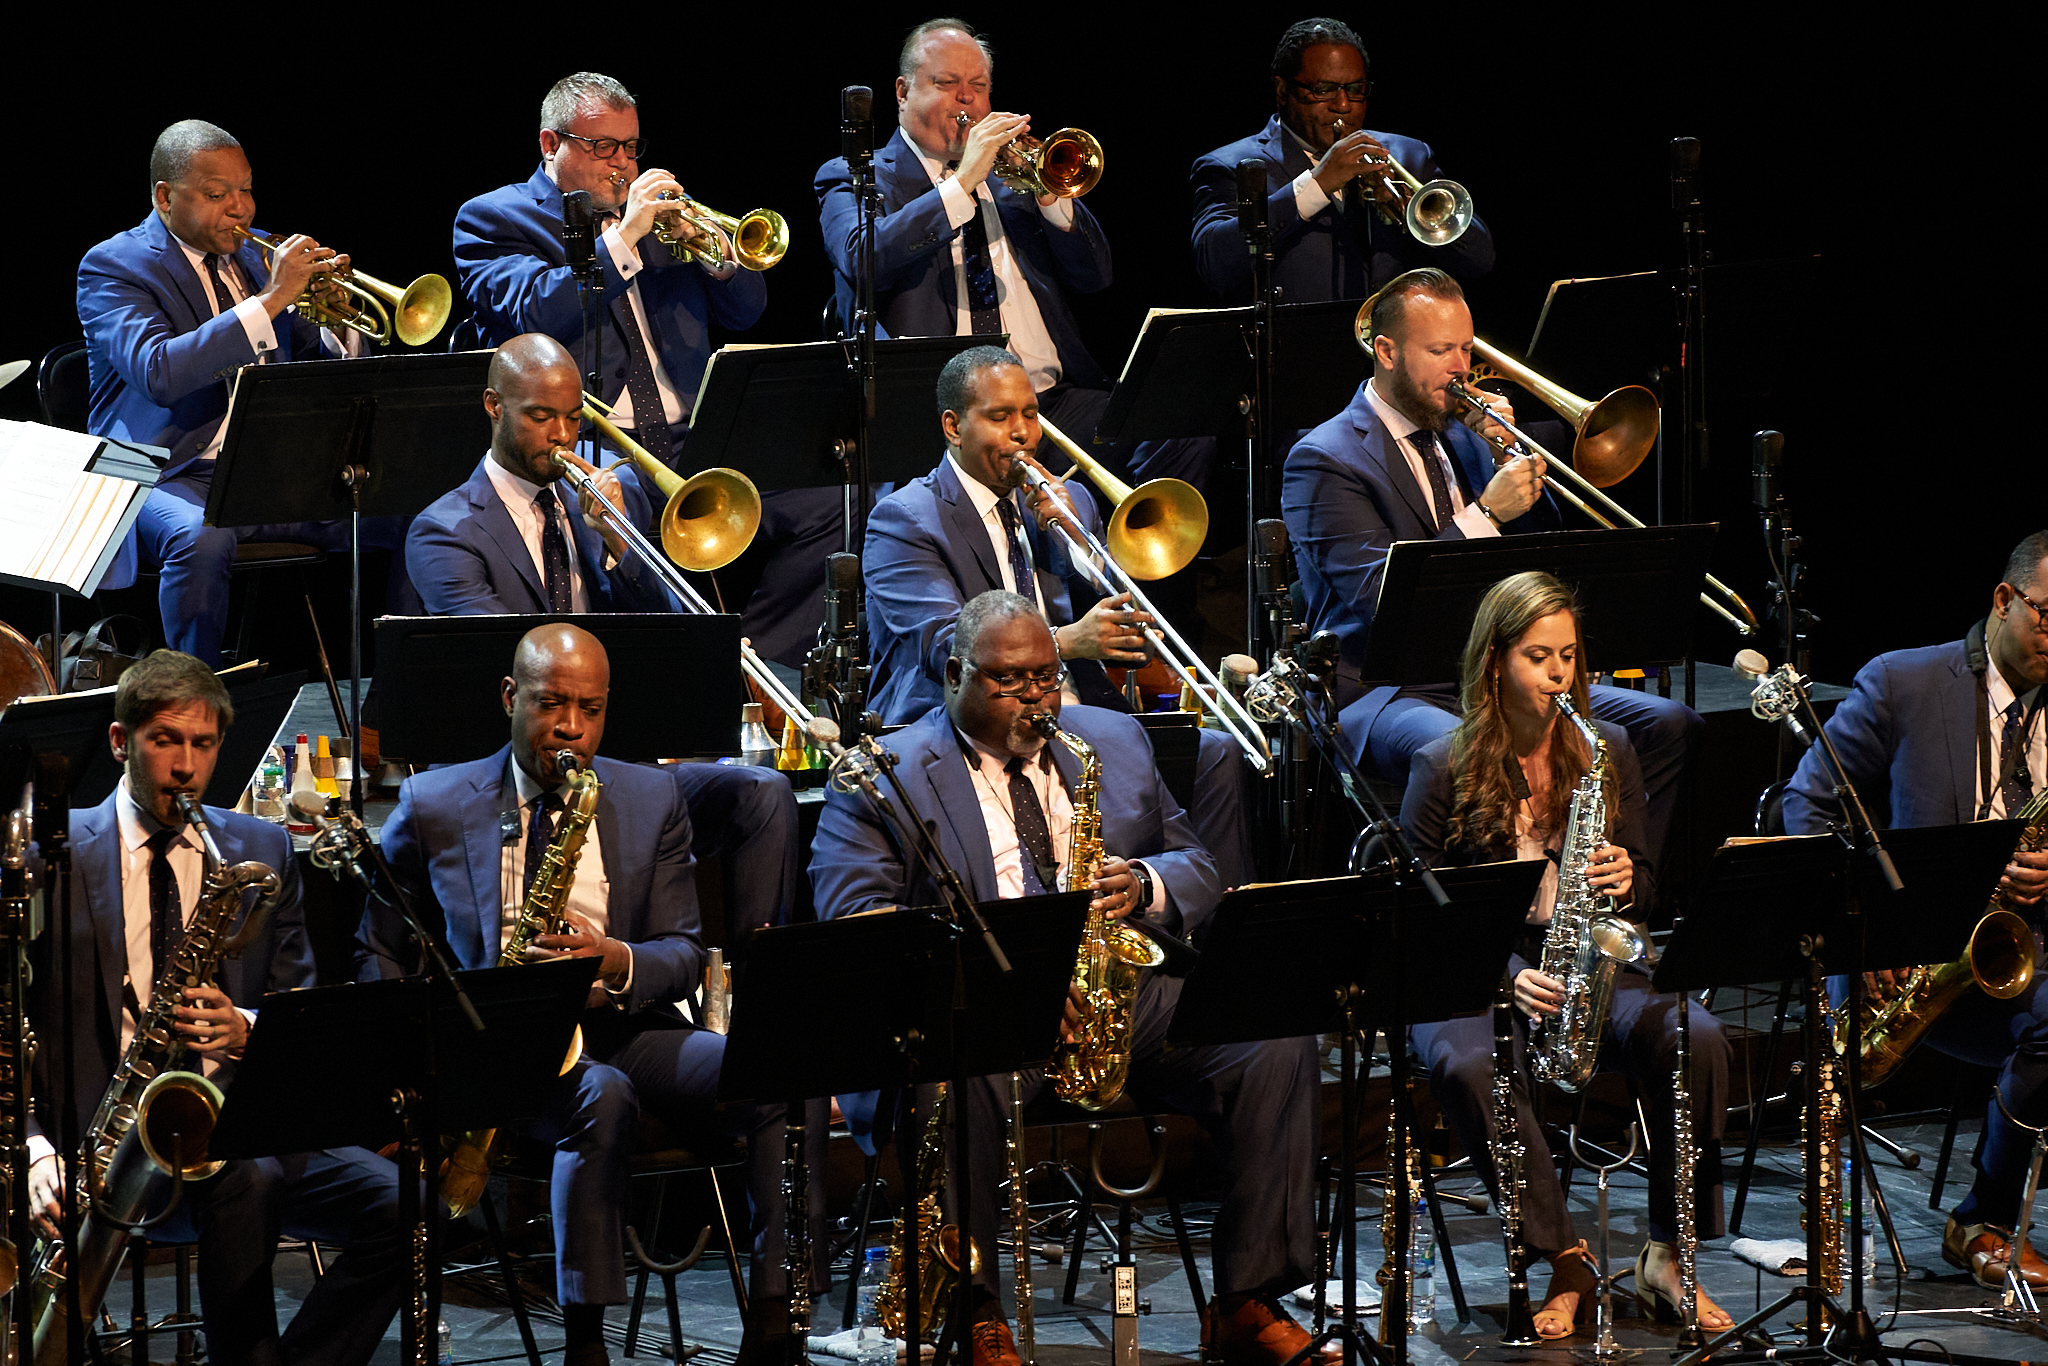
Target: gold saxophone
[(1999, 959), (468, 1165), (154, 1121), (1091, 1068), (922, 1232)]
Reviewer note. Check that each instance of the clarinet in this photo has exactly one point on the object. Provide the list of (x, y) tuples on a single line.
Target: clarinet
[(1020, 1228), (1508, 1155), (796, 1222), (1683, 1158)]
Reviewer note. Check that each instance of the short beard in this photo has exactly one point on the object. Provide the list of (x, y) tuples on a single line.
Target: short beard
[(1414, 404)]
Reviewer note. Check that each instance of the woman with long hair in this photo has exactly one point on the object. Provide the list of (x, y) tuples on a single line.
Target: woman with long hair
[(1500, 787)]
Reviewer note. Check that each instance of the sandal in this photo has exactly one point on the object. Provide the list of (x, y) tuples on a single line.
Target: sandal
[(1570, 1275), (1661, 1305)]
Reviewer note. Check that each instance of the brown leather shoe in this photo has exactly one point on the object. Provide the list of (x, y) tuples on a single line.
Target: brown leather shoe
[(1982, 1250), (1253, 1330), (993, 1345)]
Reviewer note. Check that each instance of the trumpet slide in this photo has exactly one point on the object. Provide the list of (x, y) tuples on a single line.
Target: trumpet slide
[(421, 308)]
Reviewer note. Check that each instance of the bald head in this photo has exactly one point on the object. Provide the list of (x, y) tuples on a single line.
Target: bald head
[(534, 396), (557, 694)]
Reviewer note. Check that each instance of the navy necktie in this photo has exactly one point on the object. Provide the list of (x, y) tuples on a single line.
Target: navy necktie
[(166, 909), (223, 300), (2019, 788), (984, 312), (554, 554), (1020, 564), (1433, 466), (1034, 836), (650, 419), (540, 833)]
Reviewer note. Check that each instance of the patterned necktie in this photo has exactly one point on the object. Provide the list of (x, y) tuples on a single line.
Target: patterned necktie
[(984, 313), (166, 914), (224, 301), (2019, 788), (554, 554), (1020, 565), (1433, 466), (1034, 836), (650, 419), (540, 833)]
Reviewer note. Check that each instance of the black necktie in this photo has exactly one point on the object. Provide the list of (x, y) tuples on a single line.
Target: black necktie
[(540, 833), (1034, 836), (985, 314), (650, 419), (554, 554), (1020, 565), (166, 913), (2019, 788), (1433, 466), (224, 302)]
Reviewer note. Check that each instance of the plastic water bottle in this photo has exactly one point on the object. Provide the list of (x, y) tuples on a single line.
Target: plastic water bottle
[(445, 1354), (872, 1346), (1862, 1232), (1422, 1258)]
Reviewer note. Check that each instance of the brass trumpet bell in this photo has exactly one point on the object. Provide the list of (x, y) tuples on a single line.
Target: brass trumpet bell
[(760, 238), (421, 309), (1065, 165)]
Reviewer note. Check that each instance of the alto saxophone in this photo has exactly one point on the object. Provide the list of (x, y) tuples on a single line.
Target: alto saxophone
[(1588, 944), (125, 1161), (544, 911), (922, 1232), (1091, 1068)]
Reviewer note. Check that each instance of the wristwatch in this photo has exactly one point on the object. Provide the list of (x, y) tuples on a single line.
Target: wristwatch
[(1144, 886)]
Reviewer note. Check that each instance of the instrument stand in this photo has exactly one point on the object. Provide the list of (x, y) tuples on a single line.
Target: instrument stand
[(1605, 1348), (2018, 1305)]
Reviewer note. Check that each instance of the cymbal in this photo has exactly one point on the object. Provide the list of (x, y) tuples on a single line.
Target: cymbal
[(12, 371)]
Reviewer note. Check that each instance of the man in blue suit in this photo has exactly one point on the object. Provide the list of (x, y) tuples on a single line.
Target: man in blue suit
[(1396, 465), (959, 253), (1940, 736), (468, 840), (961, 531), (1328, 241), (172, 309), (136, 876), (1007, 837)]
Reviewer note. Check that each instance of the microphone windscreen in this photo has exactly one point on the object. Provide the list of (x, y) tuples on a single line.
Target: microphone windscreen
[(1751, 664), (1272, 537), (856, 104), (842, 571)]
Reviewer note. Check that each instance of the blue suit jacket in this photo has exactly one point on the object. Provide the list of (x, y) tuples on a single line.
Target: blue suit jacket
[(1317, 258), (914, 286), (465, 556), (278, 959), (509, 259), (927, 553), (1907, 734), (443, 842)]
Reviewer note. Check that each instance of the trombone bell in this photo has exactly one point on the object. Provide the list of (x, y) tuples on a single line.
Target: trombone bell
[(1156, 528), (708, 519)]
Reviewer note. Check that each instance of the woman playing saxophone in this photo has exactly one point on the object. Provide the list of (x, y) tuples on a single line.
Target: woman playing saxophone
[(1517, 780)]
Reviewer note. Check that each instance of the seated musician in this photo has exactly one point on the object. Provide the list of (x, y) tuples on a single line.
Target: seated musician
[(137, 872), (1500, 787), (1939, 736), (971, 526), (502, 543), (632, 904), (171, 309), (975, 759), (1398, 466)]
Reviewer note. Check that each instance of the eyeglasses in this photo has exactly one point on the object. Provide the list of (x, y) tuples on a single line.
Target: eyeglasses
[(2040, 616), (1018, 682), (602, 148), (1322, 92)]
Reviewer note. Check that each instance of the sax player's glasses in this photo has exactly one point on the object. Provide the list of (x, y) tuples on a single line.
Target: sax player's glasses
[(1019, 682)]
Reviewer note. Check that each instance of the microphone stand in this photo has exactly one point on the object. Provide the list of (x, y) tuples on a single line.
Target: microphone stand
[(579, 245), (856, 144), (834, 671), (1262, 496), (1692, 379), (1272, 575)]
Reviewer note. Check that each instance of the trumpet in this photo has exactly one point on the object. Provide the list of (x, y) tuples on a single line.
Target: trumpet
[(1112, 576), (421, 308), (1437, 214), (1066, 165), (757, 241)]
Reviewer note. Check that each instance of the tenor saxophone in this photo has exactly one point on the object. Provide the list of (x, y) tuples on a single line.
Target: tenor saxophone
[(1091, 1068), (922, 1232), (1588, 945), (543, 911), (154, 1122)]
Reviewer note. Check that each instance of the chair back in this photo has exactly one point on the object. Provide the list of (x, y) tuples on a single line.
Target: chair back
[(1770, 810), (64, 385)]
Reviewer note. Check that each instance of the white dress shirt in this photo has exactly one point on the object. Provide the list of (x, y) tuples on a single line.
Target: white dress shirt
[(2001, 697), (1467, 516), (992, 787), (985, 499), (590, 892), (518, 495), (1309, 196), (1021, 318)]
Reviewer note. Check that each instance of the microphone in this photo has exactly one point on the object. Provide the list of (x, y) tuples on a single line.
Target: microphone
[(578, 242), (1275, 564), (856, 131), (842, 595), (1767, 452), (1251, 196), (1685, 164), (1320, 654)]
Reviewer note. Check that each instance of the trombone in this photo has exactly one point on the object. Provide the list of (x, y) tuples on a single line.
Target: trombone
[(1151, 505), (1066, 165), (1437, 213), (757, 241), (422, 307)]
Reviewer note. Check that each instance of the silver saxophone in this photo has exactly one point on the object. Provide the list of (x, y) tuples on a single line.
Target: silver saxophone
[(1588, 944)]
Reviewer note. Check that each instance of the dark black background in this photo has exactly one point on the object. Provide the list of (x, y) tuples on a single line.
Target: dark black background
[(1559, 120)]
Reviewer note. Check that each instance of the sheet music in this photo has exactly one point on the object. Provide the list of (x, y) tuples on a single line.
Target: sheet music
[(56, 515), (1150, 314)]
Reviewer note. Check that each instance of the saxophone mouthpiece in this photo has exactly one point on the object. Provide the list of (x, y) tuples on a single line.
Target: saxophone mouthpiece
[(1046, 724), (188, 807), (567, 761)]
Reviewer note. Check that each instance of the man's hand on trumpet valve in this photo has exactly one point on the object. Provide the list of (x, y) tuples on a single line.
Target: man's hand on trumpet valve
[(1112, 631), (985, 141), (297, 260), (593, 515), (1352, 156), (643, 202)]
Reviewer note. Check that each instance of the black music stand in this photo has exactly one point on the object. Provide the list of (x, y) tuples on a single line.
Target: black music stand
[(675, 683), (920, 1010), (378, 436), (368, 1063), (1356, 971), (1808, 906)]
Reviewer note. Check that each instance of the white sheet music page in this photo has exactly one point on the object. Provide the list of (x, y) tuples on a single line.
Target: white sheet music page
[(55, 515)]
